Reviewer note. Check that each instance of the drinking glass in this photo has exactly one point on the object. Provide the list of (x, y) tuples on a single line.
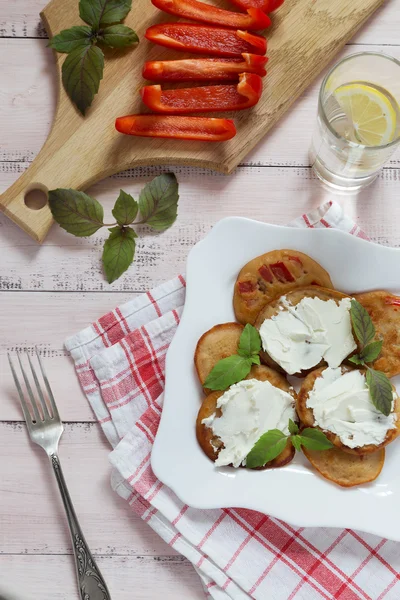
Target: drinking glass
[(339, 156)]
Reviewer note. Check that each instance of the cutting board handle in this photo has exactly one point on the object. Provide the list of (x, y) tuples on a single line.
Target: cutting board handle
[(28, 210)]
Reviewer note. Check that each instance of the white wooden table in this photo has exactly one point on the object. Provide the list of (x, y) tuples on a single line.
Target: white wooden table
[(49, 292)]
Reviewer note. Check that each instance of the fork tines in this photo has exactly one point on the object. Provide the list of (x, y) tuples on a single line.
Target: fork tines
[(43, 411)]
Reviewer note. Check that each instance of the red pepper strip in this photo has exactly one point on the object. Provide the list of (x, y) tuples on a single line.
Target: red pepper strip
[(204, 69), (265, 273), (267, 6), (203, 39), (199, 11), (281, 272), (205, 99), (207, 129), (296, 259), (392, 300), (245, 287)]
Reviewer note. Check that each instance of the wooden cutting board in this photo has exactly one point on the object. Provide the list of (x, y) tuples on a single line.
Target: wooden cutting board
[(79, 151)]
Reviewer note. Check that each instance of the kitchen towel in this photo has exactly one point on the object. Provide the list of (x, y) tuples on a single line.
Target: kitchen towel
[(239, 554)]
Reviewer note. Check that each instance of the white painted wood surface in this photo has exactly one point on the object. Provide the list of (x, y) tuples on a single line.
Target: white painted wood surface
[(49, 292)]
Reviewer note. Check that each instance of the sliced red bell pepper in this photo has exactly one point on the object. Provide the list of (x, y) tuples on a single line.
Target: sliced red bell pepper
[(281, 272), (204, 69), (267, 6), (203, 39), (205, 99), (392, 300), (200, 11), (265, 273), (206, 129)]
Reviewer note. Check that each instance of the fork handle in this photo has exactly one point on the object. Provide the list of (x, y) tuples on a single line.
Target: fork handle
[(91, 583)]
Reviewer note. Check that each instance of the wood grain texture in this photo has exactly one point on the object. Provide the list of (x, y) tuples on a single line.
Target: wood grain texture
[(139, 578), (82, 150), (33, 562)]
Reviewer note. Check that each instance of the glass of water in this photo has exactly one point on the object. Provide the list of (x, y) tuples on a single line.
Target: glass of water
[(358, 126)]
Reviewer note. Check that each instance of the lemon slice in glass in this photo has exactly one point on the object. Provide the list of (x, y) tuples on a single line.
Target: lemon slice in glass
[(371, 112)]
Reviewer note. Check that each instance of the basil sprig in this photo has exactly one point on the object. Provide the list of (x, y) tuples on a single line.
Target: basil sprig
[(83, 68), (234, 368), (380, 388), (82, 215), (273, 442)]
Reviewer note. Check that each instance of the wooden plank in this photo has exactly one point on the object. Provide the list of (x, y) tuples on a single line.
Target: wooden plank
[(275, 195), (32, 517), (21, 19), (48, 321), (141, 578), (27, 104)]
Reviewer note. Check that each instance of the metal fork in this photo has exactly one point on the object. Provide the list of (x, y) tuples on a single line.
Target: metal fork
[(45, 429)]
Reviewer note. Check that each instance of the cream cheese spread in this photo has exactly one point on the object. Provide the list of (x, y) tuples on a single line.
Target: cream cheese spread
[(341, 404), (249, 409), (300, 336)]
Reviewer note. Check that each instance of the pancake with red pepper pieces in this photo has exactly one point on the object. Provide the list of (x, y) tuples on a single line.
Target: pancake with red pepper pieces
[(384, 310), (272, 275)]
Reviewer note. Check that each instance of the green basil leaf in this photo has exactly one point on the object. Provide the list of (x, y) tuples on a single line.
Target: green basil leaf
[(82, 72), (255, 359), (118, 36), (296, 441), (103, 12), (380, 390), (356, 359), (293, 427), (118, 253), (371, 352), (362, 323), (125, 209), (75, 211), (314, 439), (268, 447), (158, 202), (249, 342), (228, 371), (71, 39)]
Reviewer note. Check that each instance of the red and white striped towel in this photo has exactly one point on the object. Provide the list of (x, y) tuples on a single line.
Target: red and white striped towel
[(238, 554)]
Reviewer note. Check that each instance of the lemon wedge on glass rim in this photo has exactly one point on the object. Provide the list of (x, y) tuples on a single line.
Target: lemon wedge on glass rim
[(370, 112)]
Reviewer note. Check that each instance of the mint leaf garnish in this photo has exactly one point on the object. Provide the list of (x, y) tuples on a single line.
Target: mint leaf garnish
[(296, 441), (293, 427), (362, 323), (82, 215), (268, 447), (76, 212), (118, 36), (118, 253), (371, 352), (158, 202), (255, 359), (380, 390), (356, 359), (228, 371), (125, 209), (314, 439), (71, 39), (82, 72), (250, 341), (103, 12)]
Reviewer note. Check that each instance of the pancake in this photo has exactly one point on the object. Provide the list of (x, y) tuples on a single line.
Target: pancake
[(306, 416), (384, 310), (294, 297), (271, 275), (347, 470), (215, 344), (211, 444)]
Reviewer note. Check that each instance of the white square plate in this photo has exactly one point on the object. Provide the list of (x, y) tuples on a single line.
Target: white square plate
[(295, 493)]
